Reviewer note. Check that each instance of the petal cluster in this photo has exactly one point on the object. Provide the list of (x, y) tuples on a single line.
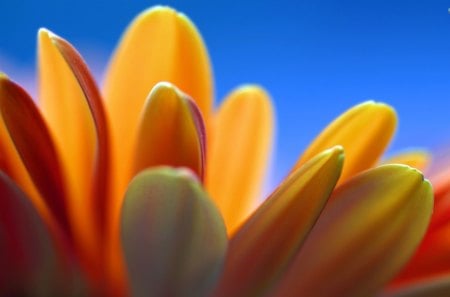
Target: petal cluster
[(144, 189)]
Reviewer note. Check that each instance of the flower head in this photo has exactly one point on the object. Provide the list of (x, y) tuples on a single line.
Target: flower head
[(145, 189)]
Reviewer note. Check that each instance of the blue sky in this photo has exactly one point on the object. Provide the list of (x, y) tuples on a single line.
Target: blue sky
[(316, 58)]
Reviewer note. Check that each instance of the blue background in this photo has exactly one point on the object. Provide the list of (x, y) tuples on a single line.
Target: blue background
[(316, 58)]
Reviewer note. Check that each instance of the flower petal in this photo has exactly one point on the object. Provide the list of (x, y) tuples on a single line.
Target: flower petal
[(415, 158), (94, 114), (73, 108), (364, 236), (30, 264), (160, 45), (171, 132), (173, 236), (364, 131), (35, 146), (238, 152), (261, 250)]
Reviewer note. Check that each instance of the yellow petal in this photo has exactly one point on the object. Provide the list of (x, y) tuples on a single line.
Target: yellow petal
[(364, 235), (159, 45), (364, 131), (414, 158), (261, 250), (171, 132), (238, 152)]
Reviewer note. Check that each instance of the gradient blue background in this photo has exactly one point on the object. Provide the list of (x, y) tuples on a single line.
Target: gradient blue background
[(316, 58)]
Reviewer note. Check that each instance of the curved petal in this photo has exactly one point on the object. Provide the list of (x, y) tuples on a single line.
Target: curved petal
[(159, 45), (364, 131), (73, 107), (261, 250), (415, 158), (171, 132), (173, 236), (364, 236), (35, 146), (28, 256), (238, 152)]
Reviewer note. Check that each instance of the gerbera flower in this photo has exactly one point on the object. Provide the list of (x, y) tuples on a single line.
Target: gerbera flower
[(86, 208)]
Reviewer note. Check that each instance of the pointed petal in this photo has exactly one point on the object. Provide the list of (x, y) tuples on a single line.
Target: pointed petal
[(35, 146), (73, 108), (415, 158), (160, 45), (238, 152), (439, 287), (171, 132), (364, 131), (364, 236), (28, 256), (95, 113), (173, 236), (261, 250)]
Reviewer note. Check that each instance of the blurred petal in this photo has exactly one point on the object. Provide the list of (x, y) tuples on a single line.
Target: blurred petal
[(160, 45), (11, 163), (171, 132), (364, 131), (238, 152), (262, 249), (173, 236), (363, 236), (35, 146), (439, 287), (30, 264), (415, 158)]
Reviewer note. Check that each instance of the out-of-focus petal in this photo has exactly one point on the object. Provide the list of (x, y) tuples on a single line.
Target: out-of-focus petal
[(12, 165), (35, 146), (173, 236), (414, 158), (159, 45), (238, 152), (363, 236), (30, 264), (439, 287), (364, 131), (262, 249), (171, 132)]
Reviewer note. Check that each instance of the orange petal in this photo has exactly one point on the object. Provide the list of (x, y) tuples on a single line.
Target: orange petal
[(171, 132), (363, 236), (238, 152), (96, 113), (364, 131), (159, 45), (35, 146), (73, 107), (262, 249), (414, 158), (173, 236)]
